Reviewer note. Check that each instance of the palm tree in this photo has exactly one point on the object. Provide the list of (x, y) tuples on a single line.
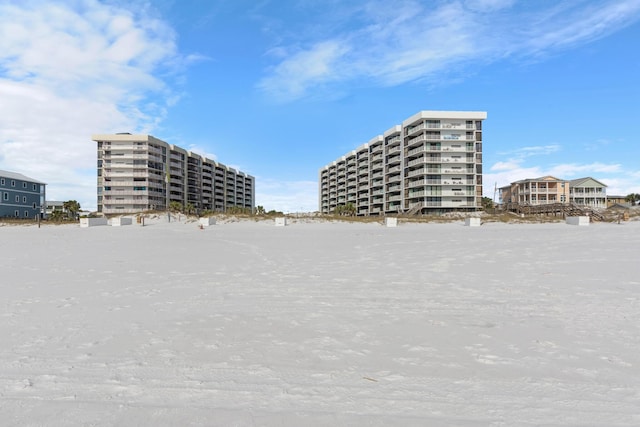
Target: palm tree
[(56, 216), (175, 206), (72, 207), (632, 198), (345, 210), (350, 209)]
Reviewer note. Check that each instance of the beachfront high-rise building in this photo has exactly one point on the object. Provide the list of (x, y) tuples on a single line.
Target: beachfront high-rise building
[(431, 163), (140, 172)]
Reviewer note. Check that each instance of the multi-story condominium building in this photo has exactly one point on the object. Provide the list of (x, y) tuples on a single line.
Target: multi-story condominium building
[(21, 196), (548, 189), (141, 172), (430, 163), (536, 191), (588, 192)]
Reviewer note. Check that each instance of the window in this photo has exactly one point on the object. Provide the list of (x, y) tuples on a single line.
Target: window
[(24, 199), (35, 187), (13, 183), (1, 181), (26, 214), (34, 205), (24, 185), (16, 214), (17, 200), (5, 196)]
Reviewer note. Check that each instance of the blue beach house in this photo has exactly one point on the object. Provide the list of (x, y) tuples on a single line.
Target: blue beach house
[(20, 196)]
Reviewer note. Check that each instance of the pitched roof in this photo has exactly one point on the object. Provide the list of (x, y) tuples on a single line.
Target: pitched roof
[(579, 181), (14, 175), (542, 178)]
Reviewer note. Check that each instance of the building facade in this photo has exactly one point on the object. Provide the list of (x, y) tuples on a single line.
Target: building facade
[(549, 189), (431, 163), (55, 206), (536, 191), (140, 172), (588, 192), (21, 196)]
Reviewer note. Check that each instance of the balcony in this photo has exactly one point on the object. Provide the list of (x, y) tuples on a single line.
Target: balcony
[(418, 140), (128, 192), (457, 171), (394, 149), (457, 182), (417, 150), (418, 161), (392, 160), (124, 173), (416, 129), (125, 201), (393, 139), (394, 169), (422, 171), (459, 149), (423, 182)]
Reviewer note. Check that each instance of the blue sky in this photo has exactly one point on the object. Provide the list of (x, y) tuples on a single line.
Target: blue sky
[(280, 88)]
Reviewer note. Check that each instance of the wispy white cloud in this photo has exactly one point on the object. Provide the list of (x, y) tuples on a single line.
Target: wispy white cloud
[(576, 22), (390, 43), (572, 170), (71, 69), (517, 156), (508, 165), (488, 5), (540, 150), (306, 68)]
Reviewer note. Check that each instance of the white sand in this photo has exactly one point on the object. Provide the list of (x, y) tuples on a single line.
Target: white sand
[(248, 324)]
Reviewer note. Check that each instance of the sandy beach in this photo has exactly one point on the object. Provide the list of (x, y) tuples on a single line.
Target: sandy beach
[(320, 324)]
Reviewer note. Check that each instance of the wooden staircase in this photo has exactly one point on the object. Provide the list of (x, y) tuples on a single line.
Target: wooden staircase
[(414, 210), (564, 209)]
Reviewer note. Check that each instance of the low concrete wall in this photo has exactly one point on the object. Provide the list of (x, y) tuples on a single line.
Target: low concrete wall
[(391, 222), (117, 222), (281, 222), (92, 222), (205, 222), (472, 222), (577, 220)]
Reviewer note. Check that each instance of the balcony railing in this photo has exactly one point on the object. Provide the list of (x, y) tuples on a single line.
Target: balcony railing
[(393, 149), (457, 171), (393, 169), (417, 150)]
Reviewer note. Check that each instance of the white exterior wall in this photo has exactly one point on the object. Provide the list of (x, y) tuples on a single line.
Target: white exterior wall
[(433, 161), (140, 172)]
